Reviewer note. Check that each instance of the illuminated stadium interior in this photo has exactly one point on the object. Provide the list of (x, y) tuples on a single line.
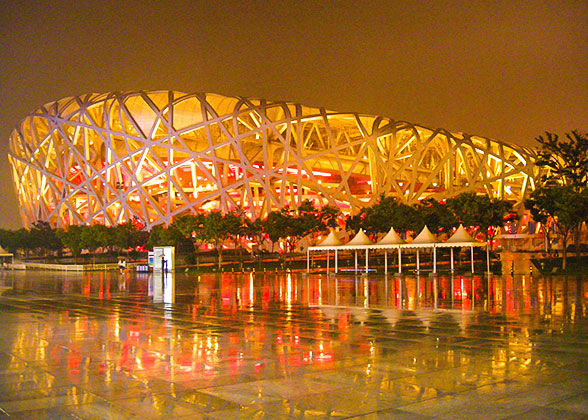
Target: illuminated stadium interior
[(109, 158)]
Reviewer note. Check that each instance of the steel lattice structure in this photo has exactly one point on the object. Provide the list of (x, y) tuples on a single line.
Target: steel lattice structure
[(153, 155)]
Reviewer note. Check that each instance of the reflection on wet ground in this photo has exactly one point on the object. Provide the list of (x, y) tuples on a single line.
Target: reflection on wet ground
[(287, 345)]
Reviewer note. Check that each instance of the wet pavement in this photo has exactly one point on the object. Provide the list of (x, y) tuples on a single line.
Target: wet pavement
[(285, 345)]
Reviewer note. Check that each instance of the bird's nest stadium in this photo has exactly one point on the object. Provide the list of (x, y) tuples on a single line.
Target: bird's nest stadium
[(152, 155)]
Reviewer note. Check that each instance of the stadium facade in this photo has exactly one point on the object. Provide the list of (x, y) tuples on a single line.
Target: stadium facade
[(109, 158)]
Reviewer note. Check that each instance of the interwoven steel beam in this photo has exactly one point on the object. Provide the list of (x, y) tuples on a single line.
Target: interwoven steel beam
[(153, 155)]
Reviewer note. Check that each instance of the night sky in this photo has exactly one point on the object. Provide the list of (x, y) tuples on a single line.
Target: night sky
[(507, 70)]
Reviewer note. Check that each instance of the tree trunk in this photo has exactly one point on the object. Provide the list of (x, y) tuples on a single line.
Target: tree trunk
[(547, 241), (219, 251), (577, 232), (565, 235)]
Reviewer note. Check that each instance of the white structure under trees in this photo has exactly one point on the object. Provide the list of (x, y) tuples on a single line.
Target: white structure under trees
[(424, 240)]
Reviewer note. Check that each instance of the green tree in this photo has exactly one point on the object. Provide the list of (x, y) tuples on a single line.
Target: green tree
[(354, 222), (216, 228), (106, 236), (438, 217), (387, 212), (405, 218), (160, 235), (128, 236), (329, 216), (71, 238), (234, 225), (274, 226), (311, 221), (567, 207), (9, 240), (566, 159), (43, 235), (286, 225), (188, 225), (539, 205), (94, 237), (254, 230), (377, 218), (481, 211), (25, 241)]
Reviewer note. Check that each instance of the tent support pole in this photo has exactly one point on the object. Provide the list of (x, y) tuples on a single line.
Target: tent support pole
[(488, 259), (472, 251), (451, 259)]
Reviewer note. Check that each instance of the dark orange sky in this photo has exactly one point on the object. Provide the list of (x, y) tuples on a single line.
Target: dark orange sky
[(508, 70)]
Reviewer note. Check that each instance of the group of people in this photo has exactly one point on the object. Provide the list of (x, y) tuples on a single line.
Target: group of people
[(122, 265)]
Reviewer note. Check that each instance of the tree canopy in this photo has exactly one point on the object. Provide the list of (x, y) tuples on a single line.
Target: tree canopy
[(565, 158), (567, 207), (561, 196)]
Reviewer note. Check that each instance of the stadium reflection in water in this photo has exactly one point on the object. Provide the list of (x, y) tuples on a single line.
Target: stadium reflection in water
[(280, 345)]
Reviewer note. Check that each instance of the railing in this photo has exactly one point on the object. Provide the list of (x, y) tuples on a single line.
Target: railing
[(68, 267)]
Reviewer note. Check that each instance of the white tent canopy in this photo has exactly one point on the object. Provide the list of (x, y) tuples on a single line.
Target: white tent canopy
[(359, 241), (391, 238), (332, 240), (5, 255), (462, 239), (425, 239)]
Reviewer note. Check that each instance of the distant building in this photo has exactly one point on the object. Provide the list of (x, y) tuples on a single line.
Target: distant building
[(153, 155)]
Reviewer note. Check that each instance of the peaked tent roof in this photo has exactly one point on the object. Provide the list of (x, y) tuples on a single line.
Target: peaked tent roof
[(425, 237), (4, 253), (391, 238), (461, 239), (331, 240), (460, 235), (360, 239)]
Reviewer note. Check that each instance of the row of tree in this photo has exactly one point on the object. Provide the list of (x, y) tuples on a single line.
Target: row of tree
[(189, 231), (42, 239)]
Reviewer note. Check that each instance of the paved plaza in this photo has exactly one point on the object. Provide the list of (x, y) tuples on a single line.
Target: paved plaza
[(287, 345)]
